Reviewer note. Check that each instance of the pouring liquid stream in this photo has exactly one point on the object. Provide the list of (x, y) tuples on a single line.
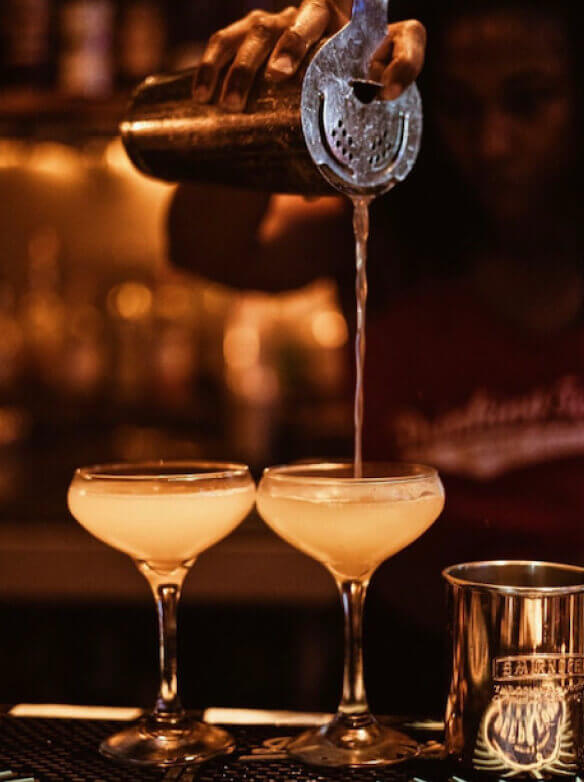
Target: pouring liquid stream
[(361, 231)]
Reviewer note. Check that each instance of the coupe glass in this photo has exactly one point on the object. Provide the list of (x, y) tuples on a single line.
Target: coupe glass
[(163, 515), (351, 525)]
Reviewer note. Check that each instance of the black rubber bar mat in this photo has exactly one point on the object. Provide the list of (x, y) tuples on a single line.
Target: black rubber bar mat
[(64, 750)]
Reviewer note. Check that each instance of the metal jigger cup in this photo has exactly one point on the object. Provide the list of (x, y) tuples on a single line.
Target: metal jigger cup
[(515, 706)]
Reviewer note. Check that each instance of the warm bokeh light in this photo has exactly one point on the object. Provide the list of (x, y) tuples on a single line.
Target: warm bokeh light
[(12, 153), (329, 329), (241, 347), (258, 385), (56, 159), (130, 300)]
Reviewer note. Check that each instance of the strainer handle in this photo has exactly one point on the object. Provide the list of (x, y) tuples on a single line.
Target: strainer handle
[(371, 14)]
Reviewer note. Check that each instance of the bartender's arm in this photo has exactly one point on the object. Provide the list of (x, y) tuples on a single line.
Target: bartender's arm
[(253, 240)]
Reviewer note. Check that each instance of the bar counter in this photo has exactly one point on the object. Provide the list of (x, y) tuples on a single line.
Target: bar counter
[(62, 746)]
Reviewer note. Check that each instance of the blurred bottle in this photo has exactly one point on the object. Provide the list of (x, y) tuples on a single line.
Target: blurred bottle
[(86, 48), (141, 40), (26, 43)]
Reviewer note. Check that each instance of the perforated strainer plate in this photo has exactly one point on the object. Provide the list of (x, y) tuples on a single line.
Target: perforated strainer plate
[(362, 145)]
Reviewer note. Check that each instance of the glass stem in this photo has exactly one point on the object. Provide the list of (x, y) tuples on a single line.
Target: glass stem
[(354, 700), (166, 589)]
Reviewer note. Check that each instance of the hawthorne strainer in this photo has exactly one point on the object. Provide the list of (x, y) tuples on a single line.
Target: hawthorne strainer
[(362, 145)]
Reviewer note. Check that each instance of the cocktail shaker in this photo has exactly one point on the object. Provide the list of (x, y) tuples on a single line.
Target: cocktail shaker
[(325, 129), (169, 136)]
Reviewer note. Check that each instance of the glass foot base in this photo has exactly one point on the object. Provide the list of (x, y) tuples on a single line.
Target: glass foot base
[(352, 741), (149, 743)]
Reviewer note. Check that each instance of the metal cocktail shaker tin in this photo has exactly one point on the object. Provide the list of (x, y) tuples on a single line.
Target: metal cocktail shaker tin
[(515, 706), (325, 129), (169, 136)]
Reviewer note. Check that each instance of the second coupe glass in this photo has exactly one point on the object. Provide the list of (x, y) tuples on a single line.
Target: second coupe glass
[(351, 525)]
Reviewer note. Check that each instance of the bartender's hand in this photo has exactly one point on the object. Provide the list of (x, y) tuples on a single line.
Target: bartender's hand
[(284, 39)]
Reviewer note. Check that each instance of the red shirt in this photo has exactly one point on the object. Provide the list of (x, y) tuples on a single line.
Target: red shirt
[(500, 413)]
